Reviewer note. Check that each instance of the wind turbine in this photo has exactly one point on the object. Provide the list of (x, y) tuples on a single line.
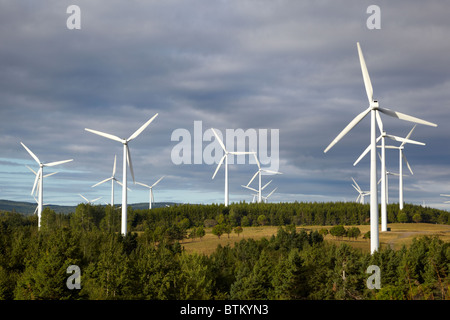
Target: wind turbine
[(373, 109), (254, 190), (225, 157), (362, 193), (258, 173), (89, 201), (266, 197), (126, 158), (384, 174), (151, 199), (401, 157), (40, 178), (113, 179)]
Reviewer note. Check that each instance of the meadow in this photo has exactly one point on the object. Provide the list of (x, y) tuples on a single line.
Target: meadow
[(400, 234)]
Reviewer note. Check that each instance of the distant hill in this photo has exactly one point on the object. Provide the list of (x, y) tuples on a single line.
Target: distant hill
[(29, 207)]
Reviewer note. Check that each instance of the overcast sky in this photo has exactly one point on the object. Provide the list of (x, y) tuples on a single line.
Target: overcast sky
[(284, 65)]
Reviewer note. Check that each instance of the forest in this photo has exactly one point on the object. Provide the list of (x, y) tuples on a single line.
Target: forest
[(150, 263)]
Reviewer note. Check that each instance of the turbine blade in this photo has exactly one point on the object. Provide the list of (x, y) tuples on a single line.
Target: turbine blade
[(238, 153), (350, 126), (96, 199), (31, 154), (405, 117), (130, 163), (365, 74), (157, 181), (220, 141), (254, 176), (106, 135), (218, 166), (271, 193), (114, 167), (142, 184), (271, 171), (404, 140), (142, 128), (409, 134), (357, 185), (38, 176), (247, 187), (103, 181), (50, 174), (31, 169), (257, 161), (362, 155), (266, 185), (51, 164), (407, 163), (83, 197)]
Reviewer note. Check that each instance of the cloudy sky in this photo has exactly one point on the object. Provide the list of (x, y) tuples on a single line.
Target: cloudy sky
[(283, 65)]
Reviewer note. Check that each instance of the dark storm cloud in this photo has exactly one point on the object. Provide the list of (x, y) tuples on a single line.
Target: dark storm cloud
[(286, 65)]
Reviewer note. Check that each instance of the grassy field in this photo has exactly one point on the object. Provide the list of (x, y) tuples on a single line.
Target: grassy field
[(401, 233)]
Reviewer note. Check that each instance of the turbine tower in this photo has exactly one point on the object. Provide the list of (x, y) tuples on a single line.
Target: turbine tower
[(225, 157), (258, 173), (126, 159), (40, 179), (372, 109), (151, 199)]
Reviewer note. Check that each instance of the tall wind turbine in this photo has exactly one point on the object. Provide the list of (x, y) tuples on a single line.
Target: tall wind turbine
[(225, 157), (258, 173), (373, 109), (113, 179), (126, 158), (40, 178), (384, 173), (151, 199), (401, 156)]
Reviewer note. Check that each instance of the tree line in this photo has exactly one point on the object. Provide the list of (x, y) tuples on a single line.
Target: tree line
[(153, 265), (289, 265)]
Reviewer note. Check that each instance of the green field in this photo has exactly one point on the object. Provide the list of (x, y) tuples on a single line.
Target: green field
[(400, 234)]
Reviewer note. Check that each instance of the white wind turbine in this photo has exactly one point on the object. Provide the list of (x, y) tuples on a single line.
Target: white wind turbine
[(89, 201), (373, 109), (361, 194), (401, 156), (384, 173), (126, 158), (39, 180), (113, 179), (258, 193), (225, 157), (151, 199), (267, 197), (258, 173)]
